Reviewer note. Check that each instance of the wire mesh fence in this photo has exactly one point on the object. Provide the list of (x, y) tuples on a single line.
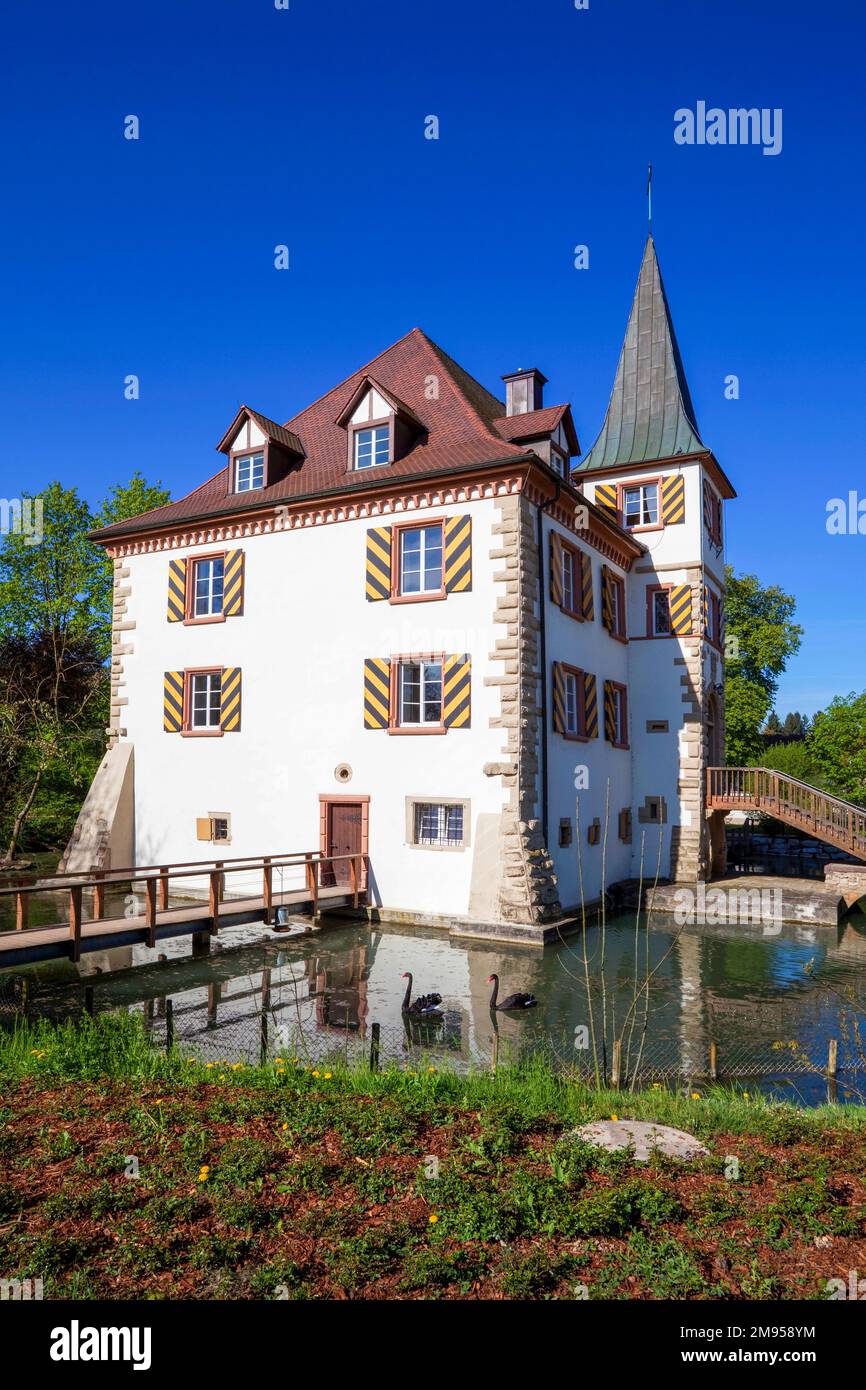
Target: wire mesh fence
[(258, 1025)]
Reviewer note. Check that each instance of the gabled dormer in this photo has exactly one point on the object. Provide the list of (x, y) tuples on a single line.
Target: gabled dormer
[(379, 426), (259, 451)]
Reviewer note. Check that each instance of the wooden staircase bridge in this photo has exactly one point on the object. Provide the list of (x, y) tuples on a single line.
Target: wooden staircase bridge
[(839, 823), (305, 882)]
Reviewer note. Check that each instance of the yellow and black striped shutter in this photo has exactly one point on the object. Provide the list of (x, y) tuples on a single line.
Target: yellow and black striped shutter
[(456, 691), (708, 506), (172, 702), (606, 599), (609, 712), (233, 584), (673, 499), (590, 705), (458, 554), (681, 609), (378, 574), (556, 569), (176, 591), (377, 691), (587, 600), (605, 498), (558, 698), (706, 610), (230, 700)]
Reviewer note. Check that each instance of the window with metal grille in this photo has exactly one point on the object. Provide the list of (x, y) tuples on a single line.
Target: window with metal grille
[(437, 823)]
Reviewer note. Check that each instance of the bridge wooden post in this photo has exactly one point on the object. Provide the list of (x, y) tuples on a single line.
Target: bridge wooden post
[(215, 877), (163, 888), (353, 866), (313, 881), (99, 895), (22, 911), (268, 887), (150, 910), (75, 921)]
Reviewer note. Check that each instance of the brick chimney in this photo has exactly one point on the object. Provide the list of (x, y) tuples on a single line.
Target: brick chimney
[(524, 391)]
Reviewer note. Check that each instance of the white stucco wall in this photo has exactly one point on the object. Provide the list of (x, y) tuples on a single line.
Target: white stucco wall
[(301, 644)]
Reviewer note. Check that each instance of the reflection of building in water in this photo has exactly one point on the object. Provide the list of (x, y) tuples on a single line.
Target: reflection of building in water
[(339, 986)]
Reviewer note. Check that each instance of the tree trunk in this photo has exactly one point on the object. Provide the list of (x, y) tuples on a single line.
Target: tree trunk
[(20, 820)]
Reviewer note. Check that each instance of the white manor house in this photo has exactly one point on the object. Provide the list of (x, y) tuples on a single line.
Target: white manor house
[(411, 622)]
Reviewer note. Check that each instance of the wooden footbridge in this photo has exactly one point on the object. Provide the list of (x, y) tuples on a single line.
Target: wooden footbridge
[(839, 823), (305, 882)]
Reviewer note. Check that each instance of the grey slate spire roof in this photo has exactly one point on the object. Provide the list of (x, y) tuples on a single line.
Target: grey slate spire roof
[(650, 414)]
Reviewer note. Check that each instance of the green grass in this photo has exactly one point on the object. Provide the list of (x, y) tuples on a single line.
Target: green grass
[(518, 1099)]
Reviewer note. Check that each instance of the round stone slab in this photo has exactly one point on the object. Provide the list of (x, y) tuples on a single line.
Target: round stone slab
[(643, 1137)]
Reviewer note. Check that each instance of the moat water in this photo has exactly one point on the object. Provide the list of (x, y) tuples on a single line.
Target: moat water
[(770, 998)]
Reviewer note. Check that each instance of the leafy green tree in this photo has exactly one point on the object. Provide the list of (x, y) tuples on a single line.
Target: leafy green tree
[(794, 759), (837, 744), (761, 637), (55, 640)]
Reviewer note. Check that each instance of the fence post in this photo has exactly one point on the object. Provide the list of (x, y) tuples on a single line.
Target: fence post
[(169, 1025), (22, 911), (374, 1047), (832, 1057), (88, 1000), (714, 1062), (616, 1064)]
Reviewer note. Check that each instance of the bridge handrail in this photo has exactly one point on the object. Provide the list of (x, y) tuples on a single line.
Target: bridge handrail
[(784, 776), (103, 878)]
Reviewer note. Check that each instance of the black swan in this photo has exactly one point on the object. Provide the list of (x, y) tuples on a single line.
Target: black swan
[(513, 1001), (425, 1006)]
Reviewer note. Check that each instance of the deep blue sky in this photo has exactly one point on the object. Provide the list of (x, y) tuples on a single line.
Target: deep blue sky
[(305, 126)]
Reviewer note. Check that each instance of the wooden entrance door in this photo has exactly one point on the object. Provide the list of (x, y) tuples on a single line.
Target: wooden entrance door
[(344, 832)]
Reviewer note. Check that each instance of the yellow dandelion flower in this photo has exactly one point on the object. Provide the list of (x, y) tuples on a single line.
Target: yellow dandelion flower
[(281, 1071), (696, 1095), (432, 1219), (327, 1076), (285, 1124), (614, 1118), (315, 1073), (278, 1059), (237, 1066), (431, 1069), (209, 1065), (157, 1102)]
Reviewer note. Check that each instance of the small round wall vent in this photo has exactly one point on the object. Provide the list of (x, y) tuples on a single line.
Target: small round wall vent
[(343, 772)]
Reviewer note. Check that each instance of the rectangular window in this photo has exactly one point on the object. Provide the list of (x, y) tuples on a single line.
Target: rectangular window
[(207, 587), (249, 472), (372, 446), (617, 605), (569, 580), (439, 824), (640, 504), (620, 715), (659, 613), (419, 693), (205, 690), (571, 707), (714, 618), (421, 560)]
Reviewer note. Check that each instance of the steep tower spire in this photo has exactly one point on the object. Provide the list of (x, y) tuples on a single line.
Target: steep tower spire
[(650, 414)]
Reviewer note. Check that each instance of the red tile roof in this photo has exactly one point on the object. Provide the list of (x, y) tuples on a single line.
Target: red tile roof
[(458, 425), (534, 423)]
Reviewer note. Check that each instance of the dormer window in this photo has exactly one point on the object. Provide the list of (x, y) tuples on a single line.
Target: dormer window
[(249, 472), (372, 446)]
